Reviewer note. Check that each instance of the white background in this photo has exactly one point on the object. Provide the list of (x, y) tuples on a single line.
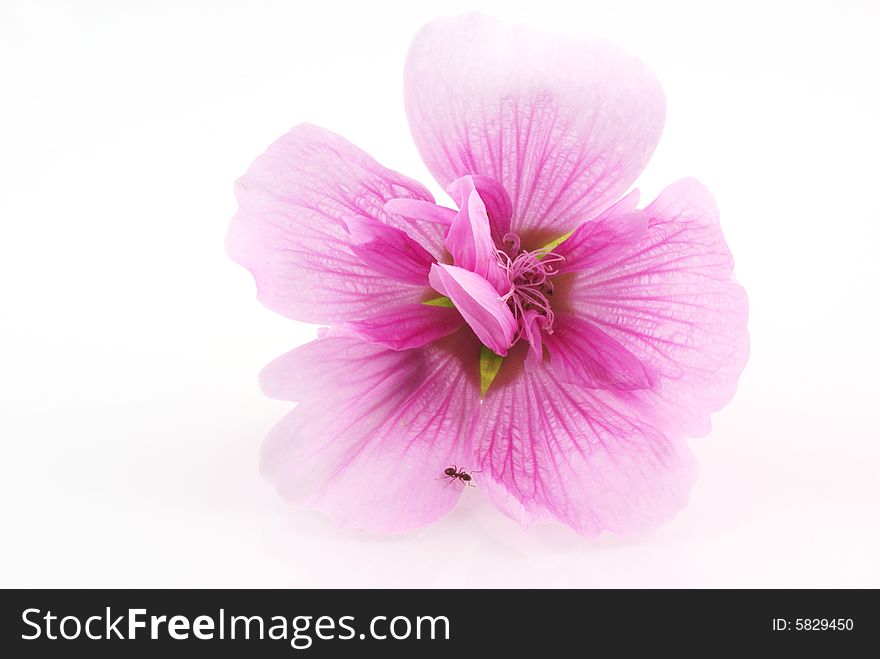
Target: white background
[(131, 418)]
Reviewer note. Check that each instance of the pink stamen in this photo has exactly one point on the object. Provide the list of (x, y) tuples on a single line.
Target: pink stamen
[(530, 275)]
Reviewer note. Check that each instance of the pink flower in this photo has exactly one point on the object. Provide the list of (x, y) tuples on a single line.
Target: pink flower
[(548, 337)]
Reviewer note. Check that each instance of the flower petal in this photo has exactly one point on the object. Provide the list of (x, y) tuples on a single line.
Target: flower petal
[(377, 429), (409, 326), (479, 303), (290, 229), (418, 212), (550, 451), (469, 239), (672, 303), (583, 354), (533, 323), (499, 208), (389, 251), (564, 126), (603, 239)]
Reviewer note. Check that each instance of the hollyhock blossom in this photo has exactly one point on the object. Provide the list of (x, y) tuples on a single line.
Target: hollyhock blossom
[(542, 332)]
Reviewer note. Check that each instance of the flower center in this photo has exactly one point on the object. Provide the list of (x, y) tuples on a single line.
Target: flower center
[(530, 275)]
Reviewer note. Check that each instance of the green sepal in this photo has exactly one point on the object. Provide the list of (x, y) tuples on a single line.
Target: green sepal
[(553, 244), (441, 301), (490, 364)]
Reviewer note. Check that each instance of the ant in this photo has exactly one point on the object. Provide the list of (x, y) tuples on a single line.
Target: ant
[(454, 473)]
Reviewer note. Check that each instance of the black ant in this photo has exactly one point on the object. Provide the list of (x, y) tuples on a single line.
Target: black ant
[(453, 473)]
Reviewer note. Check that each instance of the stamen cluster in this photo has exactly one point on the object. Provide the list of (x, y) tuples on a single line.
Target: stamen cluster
[(531, 280)]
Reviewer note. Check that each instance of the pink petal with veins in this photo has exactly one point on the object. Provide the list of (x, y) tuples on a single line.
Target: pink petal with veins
[(671, 301), (375, 429), (583, 354), (390, 251), (532, 324), (601, 240), (494, 197), (420, 211), (290, 229), (469, 239), (552, 451), (409, 326), (564, 125), (479, 304)]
